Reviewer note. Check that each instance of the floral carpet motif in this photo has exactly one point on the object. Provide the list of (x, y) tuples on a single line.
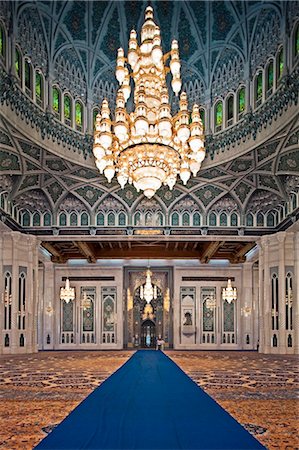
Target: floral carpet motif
[(259, 391), (37, 391)]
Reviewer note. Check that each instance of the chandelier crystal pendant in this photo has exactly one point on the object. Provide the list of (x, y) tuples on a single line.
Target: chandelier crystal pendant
[(67, 293), (148, 292), (229, 293), (148, 147)]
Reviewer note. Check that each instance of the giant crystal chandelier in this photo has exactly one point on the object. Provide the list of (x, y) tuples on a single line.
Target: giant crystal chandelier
[(148, 147)]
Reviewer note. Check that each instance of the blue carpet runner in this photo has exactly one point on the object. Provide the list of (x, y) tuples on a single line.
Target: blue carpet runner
[(149, 403)]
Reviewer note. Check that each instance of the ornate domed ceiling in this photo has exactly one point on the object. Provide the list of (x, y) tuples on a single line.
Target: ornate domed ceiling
[(252, 164)]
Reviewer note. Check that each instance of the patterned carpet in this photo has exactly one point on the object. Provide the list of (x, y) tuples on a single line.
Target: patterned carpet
[(38, 391)]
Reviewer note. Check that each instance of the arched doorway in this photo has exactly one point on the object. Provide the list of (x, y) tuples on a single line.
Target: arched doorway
[(148, 334)]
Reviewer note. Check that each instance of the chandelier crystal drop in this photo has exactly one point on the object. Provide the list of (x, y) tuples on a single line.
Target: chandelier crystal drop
[(229, 293), (67, 293), (148, 147), (148, 292)]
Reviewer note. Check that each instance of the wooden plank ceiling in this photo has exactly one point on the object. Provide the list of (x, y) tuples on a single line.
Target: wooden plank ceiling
[(62, 251)]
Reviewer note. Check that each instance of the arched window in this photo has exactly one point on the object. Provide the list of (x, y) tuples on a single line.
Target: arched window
[(249, 220), (122, 219), (269, 79), (18, 63), (230, 111), (95, 112), (186, 219), (294, 201), (62, 220), (175, 219), (289, 300), (196, 220), (233, 220), (274, 301), (100, 219), (28, 78), (47, 220), (79, 115), (26, 219), (223, 220), (39, 89), (279, 64), (260, 220), (111, 219), (22, 301), (67, 108), (212, 219), (258, 89), (296, 41), (202, 113), (2, 42), (84, 219), (218, 116), (36, 219), (73, 219), (137, 219), (7, 301), (270, 220), (241, 102), (56, 101), (160, 219)]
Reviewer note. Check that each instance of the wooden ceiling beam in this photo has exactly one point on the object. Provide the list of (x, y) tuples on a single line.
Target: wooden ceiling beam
[(86, 251), (239, 256), (56, 255), (210, 251)]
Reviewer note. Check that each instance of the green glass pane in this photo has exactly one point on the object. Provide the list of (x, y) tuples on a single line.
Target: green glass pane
[(47, 220), (234, 220), (212, 220), (259, 86), (100, 219), (95, 113), (18, 63), (241, 100), (56, 100), (196, 219), (122, 219), (2, 46), (62, 220), (84, 219), (67, 107), (230, 107), (223, 220), (74, 220), (280, 64), (175, 219), (27, 75), (219, 113), (202, 116), (38, 85), (297, 41), (111, 219), (270, 76), (186, 219), (79, 112)]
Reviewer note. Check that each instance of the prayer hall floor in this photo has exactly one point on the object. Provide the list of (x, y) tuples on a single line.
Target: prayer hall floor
[(37, 391)]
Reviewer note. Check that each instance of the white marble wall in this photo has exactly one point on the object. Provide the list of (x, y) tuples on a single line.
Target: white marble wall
[(19, 253)]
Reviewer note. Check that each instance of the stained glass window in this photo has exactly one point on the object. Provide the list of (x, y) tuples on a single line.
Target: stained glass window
[(122, 219), (47, 220), (67, 107), (26, 219), (56, 99), (212, 220), (260, 220), (137, 219), (233, 220), (38, 85), (79, 115), (241, 101), (228, 317), (175, 219), (74, 220), (2, 42), (36, 220), (160, 219), (27, 75), (18, 63), (280, 64), (84, 219), (230, 110), (203, 116), (259, 86), (62, 220), (249, 220), (196, 220), (219, 114), (270, 220), (223, 220), (297, 41), (111, 219), (100, 219), (270, 76), (186, 219)]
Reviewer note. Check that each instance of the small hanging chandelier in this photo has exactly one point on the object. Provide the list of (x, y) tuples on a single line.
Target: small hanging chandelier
[(148, 147), (211, 302), (148, 292), (229, 293), (67, 293), (85, 301)]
